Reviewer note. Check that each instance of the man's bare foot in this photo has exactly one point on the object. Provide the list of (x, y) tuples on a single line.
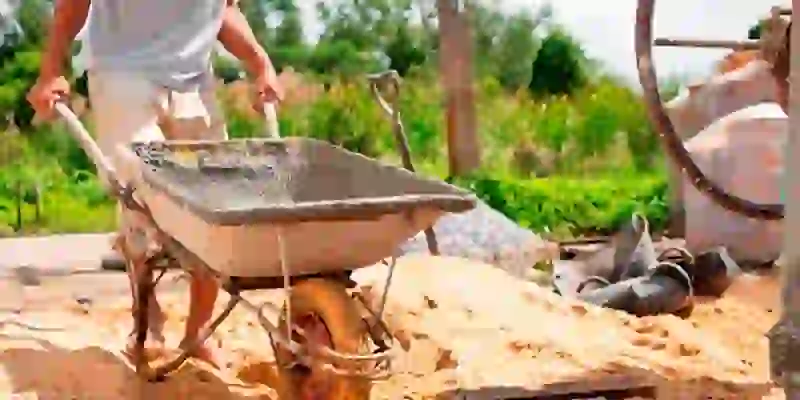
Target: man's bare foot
[(207, 352), (153, 347)]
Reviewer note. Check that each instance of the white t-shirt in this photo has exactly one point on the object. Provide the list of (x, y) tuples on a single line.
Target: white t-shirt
[(168, 41)]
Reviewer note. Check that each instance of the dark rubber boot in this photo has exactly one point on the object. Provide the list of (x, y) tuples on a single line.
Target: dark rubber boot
[(713, 272), (632, 255), (666, 289)]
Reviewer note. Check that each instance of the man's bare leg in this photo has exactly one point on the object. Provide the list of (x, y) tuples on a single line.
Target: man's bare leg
[(154, 346), (203, 293)]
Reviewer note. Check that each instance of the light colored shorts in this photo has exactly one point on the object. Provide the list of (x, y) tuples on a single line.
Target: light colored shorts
[(130, 108)]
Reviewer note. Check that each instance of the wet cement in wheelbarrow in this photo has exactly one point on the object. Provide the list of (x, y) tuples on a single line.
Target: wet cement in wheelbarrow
[(263, 175), (472, 329)]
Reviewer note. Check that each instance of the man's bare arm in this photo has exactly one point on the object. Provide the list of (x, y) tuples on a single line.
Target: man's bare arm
[(69, 17), (237, 37)]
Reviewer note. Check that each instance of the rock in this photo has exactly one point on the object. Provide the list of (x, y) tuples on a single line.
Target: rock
[(486, 235)]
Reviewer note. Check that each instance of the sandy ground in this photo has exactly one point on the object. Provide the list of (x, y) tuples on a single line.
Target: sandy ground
[(475, 332)]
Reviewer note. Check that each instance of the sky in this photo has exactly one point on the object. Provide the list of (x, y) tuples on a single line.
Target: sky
[(605, 28)]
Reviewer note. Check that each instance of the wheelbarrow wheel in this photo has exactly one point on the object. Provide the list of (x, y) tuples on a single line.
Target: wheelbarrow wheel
[(329, 316)]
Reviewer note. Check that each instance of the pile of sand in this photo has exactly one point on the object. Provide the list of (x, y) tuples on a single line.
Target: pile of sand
[(472, 329)]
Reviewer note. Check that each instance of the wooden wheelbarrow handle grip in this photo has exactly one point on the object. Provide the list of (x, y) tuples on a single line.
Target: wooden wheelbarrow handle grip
[(78, 132), (271, 120)]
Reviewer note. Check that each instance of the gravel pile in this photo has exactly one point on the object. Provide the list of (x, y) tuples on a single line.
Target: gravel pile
[(486, 235)]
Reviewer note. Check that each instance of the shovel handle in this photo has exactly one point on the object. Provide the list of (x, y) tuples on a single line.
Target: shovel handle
[(271, 120), (79, 133)]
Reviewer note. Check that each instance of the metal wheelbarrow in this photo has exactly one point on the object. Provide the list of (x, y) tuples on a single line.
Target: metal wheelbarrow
[(293, 213)]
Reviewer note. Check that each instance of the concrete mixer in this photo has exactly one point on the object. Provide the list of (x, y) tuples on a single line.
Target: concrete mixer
[(739, 200)]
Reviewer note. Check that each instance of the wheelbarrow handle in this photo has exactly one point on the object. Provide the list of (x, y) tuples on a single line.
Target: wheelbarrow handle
[(271, 120), (78, 132)]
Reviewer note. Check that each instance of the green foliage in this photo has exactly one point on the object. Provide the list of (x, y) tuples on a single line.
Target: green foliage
[(33, 17), (256, 13), (566, 207), (18, 75), (286, 39), (595, 182), (506, 45), (755, 31), (404, 53), (559, 65), (341, 58), (226, 69)]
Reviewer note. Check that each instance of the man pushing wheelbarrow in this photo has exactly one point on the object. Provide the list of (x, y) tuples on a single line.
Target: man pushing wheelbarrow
[(150, 79)]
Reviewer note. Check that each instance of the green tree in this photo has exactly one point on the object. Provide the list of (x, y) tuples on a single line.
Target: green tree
[(286, 42), (33, 17), (506, 45), (256, 14), (19, 59), (559, 67), (755, 31), (516, 49), (342, 58), (226, 69), (487, 25), (289, 31), (277, 25), (404, 52), (378, 33)]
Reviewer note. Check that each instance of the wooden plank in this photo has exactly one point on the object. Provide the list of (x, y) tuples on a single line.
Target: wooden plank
[(703, 43)]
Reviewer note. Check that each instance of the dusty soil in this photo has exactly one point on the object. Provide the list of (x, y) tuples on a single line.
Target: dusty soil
[(472, 329)]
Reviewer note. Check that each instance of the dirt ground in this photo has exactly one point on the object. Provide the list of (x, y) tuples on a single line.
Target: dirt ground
[(474, 332)]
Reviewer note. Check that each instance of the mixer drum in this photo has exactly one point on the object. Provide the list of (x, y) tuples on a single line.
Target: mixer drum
[(742, 152)]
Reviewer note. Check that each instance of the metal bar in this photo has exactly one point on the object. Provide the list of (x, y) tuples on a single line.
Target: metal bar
[(161, 371), (702, 43)]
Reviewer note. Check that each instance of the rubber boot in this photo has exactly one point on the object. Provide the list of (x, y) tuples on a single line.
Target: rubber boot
[(632, 255), (665, 289), (713, 272)]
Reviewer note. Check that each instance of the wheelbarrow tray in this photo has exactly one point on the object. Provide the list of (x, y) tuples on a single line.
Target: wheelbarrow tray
[(229, 201)]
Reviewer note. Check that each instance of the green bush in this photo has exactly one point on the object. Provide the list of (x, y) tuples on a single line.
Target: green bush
[(567, 207), (561, 207)]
